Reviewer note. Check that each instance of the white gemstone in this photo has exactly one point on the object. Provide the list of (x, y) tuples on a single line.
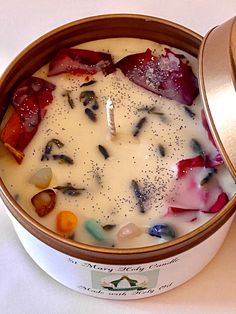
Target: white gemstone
[(129, 231)]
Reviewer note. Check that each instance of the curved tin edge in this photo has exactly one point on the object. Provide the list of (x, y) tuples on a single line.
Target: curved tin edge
[(218, 89)]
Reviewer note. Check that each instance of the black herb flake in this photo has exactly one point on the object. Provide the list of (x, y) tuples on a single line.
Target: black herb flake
[(94, 104), (208, 177), (69, 99), (98, 178), (189, 112), (86, 96), (139, 196), (151, 110), (69, 189), (161, 150), (109, 227), (103, 151), (88, 83), (196, 147), (90, 114), (63, 159), (139, 126), (48, 148)]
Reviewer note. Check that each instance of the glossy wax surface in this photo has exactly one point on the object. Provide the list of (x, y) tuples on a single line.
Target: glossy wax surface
[(108, 195)]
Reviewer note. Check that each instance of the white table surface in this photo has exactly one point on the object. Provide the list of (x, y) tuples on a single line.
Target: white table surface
[(24, 287)]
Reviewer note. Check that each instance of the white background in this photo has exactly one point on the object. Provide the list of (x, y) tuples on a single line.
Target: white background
[(26, 289)]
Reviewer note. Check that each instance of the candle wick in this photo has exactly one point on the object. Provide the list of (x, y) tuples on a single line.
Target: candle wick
[(110, 118)]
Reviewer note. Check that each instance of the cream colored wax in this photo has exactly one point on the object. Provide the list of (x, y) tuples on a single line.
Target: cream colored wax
[(108, 197)]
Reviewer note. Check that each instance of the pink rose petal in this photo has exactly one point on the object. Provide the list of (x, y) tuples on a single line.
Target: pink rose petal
[(221, 201)]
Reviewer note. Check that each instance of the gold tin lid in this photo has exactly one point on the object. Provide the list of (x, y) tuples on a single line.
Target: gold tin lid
[(217, 80)]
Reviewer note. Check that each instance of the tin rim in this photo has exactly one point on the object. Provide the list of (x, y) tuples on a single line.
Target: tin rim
[(100, 254), (217, 83)]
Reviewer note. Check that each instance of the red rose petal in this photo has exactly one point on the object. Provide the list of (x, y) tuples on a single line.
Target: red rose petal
[(29, 101), (185, 164), (168, 75), (80, 61), (198, 161), (221, 201), (179, 210)]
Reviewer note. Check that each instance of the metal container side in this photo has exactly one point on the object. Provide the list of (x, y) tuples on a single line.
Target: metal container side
[(39, 53)]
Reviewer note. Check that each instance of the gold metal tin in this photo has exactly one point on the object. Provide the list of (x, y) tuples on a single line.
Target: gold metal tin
[(217, 78), (39, 53)]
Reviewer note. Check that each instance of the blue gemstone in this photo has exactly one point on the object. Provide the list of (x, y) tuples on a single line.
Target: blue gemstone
[(162, 231)]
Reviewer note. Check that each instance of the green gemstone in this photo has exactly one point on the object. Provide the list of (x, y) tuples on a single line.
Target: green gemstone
[(94, 229)]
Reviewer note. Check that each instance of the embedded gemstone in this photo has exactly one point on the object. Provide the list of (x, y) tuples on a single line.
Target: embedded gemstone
[(94, 229), (162, 231), (129, 231), (42, 178)]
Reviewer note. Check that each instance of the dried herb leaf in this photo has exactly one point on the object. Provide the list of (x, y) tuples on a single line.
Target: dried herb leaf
[(157, 113), (48, 148), (162, 150), (88, 83), (63, 159), (103, 151), (69, 99), (86, 96), (109, 227), (151, 110), (69, 189), (208, 177), (89, 98), (146, 109), (141, 198), (90, 114), (97, 177), (139, 126), (196, 147), (189, 112), (94, 104)]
